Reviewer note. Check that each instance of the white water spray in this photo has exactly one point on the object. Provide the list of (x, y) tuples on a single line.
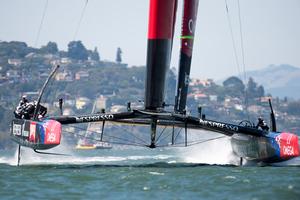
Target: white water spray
[(216, 151)]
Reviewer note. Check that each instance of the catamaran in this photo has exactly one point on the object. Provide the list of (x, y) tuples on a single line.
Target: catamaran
[(248, 142)]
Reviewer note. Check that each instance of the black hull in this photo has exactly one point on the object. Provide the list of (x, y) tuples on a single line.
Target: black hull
[(38, 135), (32, 145), (259, 149)]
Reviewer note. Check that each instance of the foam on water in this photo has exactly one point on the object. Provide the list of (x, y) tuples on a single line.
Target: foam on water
[(217, 151), (10, 160), (118, 155)]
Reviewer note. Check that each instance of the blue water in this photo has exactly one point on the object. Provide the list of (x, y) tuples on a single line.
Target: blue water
[(139, 173)]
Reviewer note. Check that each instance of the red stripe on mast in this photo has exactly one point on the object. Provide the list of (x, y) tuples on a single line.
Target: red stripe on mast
[(188, 26), (161, 19)]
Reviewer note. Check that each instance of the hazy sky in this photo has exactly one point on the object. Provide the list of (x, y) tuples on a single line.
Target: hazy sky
[(271, 30)]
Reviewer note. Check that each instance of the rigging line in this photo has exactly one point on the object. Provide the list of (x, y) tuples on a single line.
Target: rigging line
[(233, 42), (242, 41), (243, 60), (178, 134), (111, 142), (41, 24), (166, 136), (38, 33), (208, 140), (163, 138), (128, 144), (196, 141), (93, 139), (120, 126), (169, 136), (104, 135), (80, 19), (161, 134)]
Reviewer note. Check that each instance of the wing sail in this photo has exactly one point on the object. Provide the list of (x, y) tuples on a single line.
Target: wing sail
[(186, 50)]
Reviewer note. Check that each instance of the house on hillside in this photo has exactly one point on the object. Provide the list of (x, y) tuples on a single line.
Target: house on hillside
[(3, 79), (213, 97), (118, 108), (31, 55), (81, 102), (199, 82), (100, 103), (13, 74), (43, 75), (233, 103), (81, 74), (14, 62), (65, 60), (64, 76), (198, 96), (30, 95), (258, 110)]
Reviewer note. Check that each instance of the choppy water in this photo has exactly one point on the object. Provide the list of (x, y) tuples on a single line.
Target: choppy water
[(198, 172)]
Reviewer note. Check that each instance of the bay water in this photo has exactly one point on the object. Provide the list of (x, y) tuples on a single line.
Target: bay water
[(204, 171)]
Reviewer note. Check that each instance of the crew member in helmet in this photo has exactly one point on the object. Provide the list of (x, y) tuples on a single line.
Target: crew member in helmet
[(23, 101), (262, 124), (19, 111), (30, 110), (25, 109)]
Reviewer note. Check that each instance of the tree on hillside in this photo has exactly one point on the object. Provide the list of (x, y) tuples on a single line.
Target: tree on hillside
[(254, 91), (251, 88), (76, 50), (94, 55), (260, 91), (119, 55), (14, 49), (51, 48), (234, 86)]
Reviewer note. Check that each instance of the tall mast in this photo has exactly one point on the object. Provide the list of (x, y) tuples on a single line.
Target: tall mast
[(160, 34), (186, 50)]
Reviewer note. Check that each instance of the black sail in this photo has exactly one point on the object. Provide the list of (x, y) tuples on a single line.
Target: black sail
[(186, 50)]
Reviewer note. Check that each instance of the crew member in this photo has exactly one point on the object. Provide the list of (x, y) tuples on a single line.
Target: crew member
[(19, 111), (26, 110), (262, 124), (30, 110), (23, 101)]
